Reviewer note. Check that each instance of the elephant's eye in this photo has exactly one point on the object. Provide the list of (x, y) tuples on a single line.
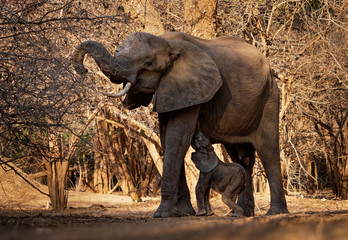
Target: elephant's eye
[(148, 63)]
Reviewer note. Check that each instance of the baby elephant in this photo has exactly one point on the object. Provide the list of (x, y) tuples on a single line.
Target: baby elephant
[(228, 179)]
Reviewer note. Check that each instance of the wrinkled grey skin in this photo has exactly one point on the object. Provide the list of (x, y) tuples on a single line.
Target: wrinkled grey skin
[(228, 179), (223, 84)]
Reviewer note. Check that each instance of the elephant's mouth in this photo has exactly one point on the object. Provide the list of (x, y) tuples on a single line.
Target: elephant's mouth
[(133, 100), (142, 86), (146, 90)]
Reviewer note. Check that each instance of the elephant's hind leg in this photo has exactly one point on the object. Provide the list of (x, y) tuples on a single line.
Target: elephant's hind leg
[(267, 147), (271, 162), (229, 197), (246, 198)]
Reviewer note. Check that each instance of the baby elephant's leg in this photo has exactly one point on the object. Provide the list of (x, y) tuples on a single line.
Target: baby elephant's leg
[(229, 197), (207, 206), (201, 188)]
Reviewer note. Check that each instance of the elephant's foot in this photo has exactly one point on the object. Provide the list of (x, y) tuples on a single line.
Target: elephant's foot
[(246, 202), (249, 212), (185, 207), (277, 210), (201, 213), (204, 213), (236, 213), (209, 213), (248, 208), (166, 210)]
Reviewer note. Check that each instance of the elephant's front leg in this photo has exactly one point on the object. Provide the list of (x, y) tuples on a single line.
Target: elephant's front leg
[(202, 190), (177, 128), (207, 206)]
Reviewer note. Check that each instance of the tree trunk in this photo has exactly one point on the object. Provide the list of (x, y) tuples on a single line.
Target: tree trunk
[(82, 173), (344, 191), (97, 183), (128, 187), (336, 161), (56, 181), (57, 168), (200, 18), (102, 175), (145, 182), (157, 159), (144, 11)]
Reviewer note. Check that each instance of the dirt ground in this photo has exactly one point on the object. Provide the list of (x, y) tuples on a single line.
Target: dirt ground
[(24, 215), (98, 216)]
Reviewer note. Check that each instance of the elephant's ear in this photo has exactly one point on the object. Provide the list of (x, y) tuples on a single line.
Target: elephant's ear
[(205, 162), (192, 79)]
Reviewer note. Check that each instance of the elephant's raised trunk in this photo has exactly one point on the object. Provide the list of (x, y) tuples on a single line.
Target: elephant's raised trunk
[(101, 56)]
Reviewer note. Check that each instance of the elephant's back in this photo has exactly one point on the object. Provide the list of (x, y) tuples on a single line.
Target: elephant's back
[(237, 107)]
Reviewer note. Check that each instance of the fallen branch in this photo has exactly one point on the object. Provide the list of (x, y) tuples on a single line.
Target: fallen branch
[(17, 171)]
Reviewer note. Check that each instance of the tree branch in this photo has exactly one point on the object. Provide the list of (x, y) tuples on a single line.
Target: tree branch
[(8, 164)]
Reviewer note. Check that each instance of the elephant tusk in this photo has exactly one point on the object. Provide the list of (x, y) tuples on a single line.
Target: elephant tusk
[(123, 92)]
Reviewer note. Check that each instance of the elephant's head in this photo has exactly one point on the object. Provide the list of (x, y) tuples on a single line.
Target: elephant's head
[(177, 72), (204, 158), (200, 142), (205, 161)]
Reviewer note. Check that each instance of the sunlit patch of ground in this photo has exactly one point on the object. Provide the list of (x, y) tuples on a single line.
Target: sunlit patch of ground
[(99, 216), (25, 214)]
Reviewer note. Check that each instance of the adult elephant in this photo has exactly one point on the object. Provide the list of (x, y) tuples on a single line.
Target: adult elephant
[(225, 85)]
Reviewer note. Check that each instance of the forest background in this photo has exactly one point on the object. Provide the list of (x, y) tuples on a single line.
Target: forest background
[(58, 128)]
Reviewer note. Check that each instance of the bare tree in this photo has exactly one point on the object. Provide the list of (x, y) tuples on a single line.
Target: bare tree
[(42, 104)]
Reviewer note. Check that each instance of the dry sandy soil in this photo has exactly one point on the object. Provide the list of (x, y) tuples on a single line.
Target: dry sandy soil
[(23, 215)]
